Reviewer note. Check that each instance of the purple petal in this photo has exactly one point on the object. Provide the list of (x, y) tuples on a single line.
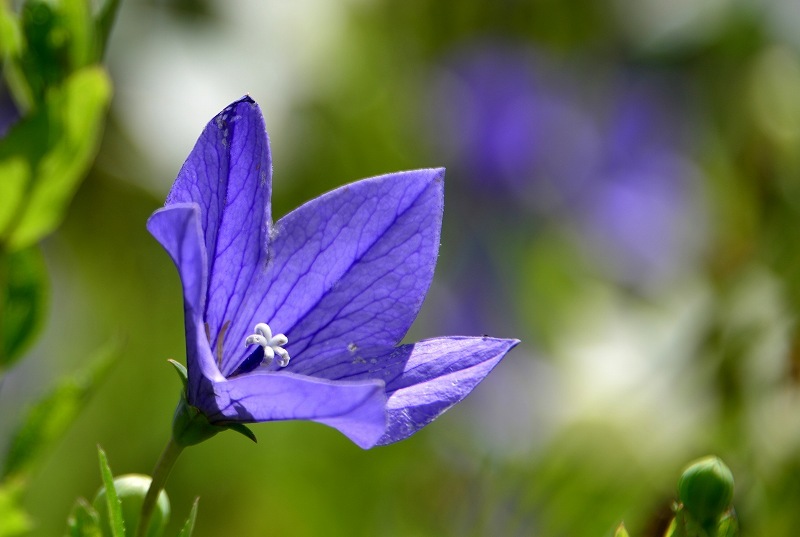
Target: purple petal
[(228, 174), (422, 380), (349, 268), (439, 373), (177, 228), (356, 408)]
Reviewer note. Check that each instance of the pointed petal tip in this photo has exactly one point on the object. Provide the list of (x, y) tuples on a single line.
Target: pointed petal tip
[(511, 342), (243, 105)]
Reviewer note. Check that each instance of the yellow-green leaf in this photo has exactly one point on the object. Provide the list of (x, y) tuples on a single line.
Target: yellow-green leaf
[(13, 520), (76, 112)]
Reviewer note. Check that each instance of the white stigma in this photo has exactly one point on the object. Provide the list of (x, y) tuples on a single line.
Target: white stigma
[(273, 345)]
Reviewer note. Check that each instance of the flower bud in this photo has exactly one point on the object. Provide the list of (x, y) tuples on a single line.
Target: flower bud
[(706, 489), (131, 490)]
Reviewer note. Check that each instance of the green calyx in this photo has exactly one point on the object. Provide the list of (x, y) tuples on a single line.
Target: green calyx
[(190, 426)]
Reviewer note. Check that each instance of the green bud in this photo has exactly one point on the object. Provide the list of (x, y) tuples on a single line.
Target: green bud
[(131, 490), (706, 490)]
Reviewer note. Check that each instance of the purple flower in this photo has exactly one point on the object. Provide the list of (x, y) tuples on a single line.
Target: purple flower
[(301, 319)]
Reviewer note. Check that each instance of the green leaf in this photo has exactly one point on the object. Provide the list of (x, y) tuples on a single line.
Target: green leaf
[(83, 520), (188, 527), (621, 531), (13, 520), (113, 503), (75, 114), (48, 419), (23, 302)]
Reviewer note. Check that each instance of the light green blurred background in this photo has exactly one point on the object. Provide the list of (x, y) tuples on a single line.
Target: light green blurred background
[(621, 378)]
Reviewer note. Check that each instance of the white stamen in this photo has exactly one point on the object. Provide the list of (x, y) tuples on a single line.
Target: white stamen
[(272, 344)]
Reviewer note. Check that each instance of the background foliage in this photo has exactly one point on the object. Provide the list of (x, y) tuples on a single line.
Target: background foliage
[(623, 195)]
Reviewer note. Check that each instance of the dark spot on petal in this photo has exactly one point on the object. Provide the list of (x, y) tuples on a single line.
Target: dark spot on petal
[(250, 363)]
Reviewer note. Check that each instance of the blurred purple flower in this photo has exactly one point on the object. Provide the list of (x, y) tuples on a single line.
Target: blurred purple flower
[(508, 122), (642, 212), (558, 140), (342, 277)]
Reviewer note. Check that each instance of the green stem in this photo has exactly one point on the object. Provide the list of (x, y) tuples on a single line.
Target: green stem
[(160, 475)]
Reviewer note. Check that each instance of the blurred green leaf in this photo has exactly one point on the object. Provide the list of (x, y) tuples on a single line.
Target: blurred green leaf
[(10, 33), (113, 503), (83, 521), (75, 116), (621, 531), (16, 174), (49, 418), (23, 302), (43, 61), (76, 17), (188, 527), (13, 520), (103, 23)]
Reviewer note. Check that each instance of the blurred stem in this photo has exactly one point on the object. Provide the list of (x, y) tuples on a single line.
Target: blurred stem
[(160, 475)]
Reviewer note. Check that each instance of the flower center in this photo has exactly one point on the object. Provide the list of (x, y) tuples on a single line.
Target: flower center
[(272, 345)]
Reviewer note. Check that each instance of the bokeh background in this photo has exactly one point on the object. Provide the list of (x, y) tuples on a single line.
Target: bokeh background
[(622, 194)]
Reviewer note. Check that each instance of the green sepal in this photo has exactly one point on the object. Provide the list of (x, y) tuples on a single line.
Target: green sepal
[(242, 429), (190, 426), (181, 371)]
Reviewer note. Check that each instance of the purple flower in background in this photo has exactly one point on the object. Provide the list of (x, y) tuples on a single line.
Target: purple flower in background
[(302, 319), (557, 141), (9, 113), (507, 117), (642, 213)]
